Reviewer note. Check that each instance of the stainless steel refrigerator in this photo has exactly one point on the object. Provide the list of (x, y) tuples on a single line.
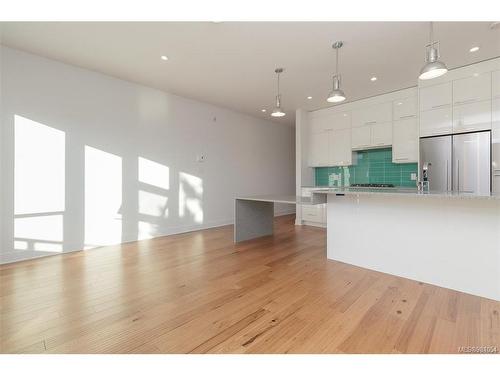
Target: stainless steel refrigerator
[(460, 162)]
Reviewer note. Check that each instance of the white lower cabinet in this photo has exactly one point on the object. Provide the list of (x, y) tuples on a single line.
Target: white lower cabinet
[(315, 214), (405, 141), (472, 117), (436, 122)]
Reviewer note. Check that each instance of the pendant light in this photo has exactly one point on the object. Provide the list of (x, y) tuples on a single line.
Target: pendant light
[(278, 112), (433, 67), (336, 95)]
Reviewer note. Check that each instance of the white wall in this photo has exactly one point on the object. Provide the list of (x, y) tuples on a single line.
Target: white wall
[(99, 160)]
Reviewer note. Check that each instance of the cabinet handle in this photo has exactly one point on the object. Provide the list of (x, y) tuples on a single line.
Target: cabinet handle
[(407, 116), (370, 122), (466, 101), (380, 144), (440, 105), (401, 158)]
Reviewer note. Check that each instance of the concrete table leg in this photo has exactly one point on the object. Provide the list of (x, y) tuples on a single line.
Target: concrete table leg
[(252, 219)]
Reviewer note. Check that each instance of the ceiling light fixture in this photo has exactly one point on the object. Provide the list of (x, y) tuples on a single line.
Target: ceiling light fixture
[(336, 95), (278, 112), (263, 110), (309, 97), (433, 67), (373, 79), (474, 49), (164, 58)]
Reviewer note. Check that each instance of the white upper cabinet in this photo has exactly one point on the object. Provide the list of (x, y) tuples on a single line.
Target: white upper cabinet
[(472, 89), (340, 147), (361, 137), (373, 114), (335, 121), (382, 134), (436, 122), (320, 124), (435, 97), (341, 120), (319, 149), (404, 108), (405, 141), (495, 83), (472, 117)]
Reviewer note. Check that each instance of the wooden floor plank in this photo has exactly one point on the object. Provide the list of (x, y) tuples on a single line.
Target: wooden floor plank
[(199, 292)]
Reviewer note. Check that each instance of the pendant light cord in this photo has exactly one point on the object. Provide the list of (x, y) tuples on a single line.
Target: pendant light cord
[(337, 62), (431, 34)]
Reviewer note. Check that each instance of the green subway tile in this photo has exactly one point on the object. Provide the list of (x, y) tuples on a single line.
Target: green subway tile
[(373, 166)]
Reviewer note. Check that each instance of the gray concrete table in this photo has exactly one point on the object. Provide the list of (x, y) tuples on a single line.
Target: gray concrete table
[(253, 216)]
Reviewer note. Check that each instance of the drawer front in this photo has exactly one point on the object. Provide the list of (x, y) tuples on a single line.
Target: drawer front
[(313, 213)]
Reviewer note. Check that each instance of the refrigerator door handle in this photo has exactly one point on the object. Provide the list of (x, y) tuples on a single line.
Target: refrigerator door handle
[(458, 175), (447, 177)]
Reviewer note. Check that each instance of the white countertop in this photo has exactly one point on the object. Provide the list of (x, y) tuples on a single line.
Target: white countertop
[(405, 192), (289, 199)]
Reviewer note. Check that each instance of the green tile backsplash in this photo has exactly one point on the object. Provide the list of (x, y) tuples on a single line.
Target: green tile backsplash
[(373, 167)]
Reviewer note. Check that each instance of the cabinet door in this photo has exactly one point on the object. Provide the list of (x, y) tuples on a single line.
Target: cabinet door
[(320, 124), (472, 117), (472, 89), (434, 97), (436, 122), (318, 149), (341, 120), (495, 84), (495, 145), (405, 141), (404, 108), (372, 114), (340, 147), (361, 137), (382, 134)]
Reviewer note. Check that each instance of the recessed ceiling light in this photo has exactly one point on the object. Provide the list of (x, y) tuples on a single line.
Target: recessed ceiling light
[(164, 58), (263, 110), (309, 97), (373, 79), (474, 49)]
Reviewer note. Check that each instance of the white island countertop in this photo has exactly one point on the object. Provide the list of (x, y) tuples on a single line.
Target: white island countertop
[(404, 192)]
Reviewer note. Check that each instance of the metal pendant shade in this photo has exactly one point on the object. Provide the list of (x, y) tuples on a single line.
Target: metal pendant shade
[(278, 111), (433, 67), (336, 95)]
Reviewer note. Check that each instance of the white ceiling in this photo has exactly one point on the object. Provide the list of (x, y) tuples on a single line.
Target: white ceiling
[(232, 64)]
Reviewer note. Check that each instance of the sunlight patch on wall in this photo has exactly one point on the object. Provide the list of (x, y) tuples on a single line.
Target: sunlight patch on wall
[(153, 173), (39, 186), (39, 167), (153, 204), (103, 198), (191, 197)]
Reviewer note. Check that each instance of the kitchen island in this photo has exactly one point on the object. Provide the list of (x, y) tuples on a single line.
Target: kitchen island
[(447, 239)]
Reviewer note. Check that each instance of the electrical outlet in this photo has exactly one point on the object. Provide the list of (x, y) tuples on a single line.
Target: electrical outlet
[(201, 158), (413, 177)]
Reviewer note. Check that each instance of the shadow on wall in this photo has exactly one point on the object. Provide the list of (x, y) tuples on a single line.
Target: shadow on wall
[(42, 223)]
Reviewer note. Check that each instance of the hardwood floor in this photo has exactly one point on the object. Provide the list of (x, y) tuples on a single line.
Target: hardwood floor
[(200, 293)]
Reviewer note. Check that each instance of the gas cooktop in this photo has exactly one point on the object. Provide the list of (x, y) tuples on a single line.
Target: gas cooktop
[(373, 185)]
